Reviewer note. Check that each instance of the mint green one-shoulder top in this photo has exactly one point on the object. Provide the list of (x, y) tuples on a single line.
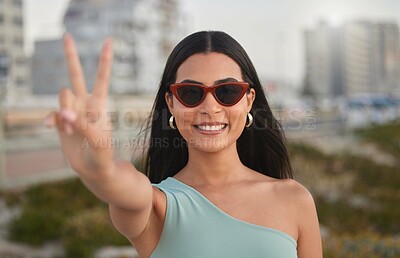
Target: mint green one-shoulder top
[(195, 228)]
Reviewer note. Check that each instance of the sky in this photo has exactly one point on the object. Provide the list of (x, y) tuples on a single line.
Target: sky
[(271, 31)]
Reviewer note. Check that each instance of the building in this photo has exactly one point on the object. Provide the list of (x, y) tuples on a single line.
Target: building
[(49, 71), (355, 58), (388, 61), (15, 78), (143, 32), (358, 57), (323, 63)]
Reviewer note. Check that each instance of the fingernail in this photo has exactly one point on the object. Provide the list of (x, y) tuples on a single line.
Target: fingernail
[(108, 42), (66, 35), (48, 122), (69, 115)]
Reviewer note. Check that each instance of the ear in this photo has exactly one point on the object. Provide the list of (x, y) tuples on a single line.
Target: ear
[(170, 103), (250, 99)]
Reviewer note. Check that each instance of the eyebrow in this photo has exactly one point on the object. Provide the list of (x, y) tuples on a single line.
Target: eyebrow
[(229, 79)]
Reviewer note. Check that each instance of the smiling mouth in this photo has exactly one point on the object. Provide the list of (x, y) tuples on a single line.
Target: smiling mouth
[(211, 128)]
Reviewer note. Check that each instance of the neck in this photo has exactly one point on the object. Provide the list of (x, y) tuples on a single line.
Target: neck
[(216, 168)]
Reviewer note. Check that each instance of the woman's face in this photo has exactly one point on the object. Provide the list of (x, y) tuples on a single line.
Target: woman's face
[(210, 126)]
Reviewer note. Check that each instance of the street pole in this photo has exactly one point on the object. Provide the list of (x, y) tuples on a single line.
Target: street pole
[(2, 147), (3, 96)]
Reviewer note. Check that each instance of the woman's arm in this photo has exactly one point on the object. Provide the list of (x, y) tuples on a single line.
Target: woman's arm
[(85, 132), (309, 240)]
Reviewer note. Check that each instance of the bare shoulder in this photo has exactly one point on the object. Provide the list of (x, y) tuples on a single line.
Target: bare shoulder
[(297, 214), (309, 236), (291, 190), (304, 215), (297, 200)]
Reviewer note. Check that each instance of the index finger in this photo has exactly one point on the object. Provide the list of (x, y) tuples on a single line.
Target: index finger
[(74, 67)]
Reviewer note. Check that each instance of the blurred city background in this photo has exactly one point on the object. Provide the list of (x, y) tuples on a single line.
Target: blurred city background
[(331, 70)]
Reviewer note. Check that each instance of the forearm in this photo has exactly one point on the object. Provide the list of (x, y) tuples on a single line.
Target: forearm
[(120, 185)]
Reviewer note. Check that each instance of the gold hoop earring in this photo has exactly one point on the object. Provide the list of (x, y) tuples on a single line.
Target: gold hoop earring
[(250, 117), (171, 122)]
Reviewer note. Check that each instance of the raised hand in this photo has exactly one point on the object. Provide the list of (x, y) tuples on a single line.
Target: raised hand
[(85, 131), (82, 122)]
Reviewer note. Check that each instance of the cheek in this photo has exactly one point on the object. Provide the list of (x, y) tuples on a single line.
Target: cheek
[(184, 118), (237, 120), (237, 116)]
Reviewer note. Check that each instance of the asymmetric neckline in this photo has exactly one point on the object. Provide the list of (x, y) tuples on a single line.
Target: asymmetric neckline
[(269, 229)]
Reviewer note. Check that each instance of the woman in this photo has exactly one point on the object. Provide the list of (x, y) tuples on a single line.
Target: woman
[(218, 182)]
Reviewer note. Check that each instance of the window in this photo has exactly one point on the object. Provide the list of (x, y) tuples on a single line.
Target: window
[(73, 14), (3, 65), (20, 81), (17, 21), (93, 16), (18, 41), (20, 61), (17, 3)]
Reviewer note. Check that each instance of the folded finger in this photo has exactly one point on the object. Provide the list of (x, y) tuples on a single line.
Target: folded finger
[(50, 120), (68, 128)]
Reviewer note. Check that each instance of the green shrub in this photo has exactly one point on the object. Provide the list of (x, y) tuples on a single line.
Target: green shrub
[(46, 207), (341, 217), (386, 136), (378, 184), (362, 246), (35, 226), (10, 198), (65, 211), (370, 174), (306, 151), (85, 232)]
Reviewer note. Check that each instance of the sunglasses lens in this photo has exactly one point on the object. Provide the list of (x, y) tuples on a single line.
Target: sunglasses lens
[(190, 95), (228, 94)]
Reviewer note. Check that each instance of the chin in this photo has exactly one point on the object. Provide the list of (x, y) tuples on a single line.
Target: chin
[(210, 145)]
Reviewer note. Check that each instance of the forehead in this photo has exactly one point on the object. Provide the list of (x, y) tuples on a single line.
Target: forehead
[(208, 68)]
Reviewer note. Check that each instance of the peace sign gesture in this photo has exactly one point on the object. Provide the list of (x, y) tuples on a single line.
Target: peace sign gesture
[(82, 122)]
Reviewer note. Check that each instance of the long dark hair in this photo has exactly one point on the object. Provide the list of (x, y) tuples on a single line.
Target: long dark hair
[(261, 147)]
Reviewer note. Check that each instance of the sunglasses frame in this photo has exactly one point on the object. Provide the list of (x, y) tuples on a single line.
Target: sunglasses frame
[(175, 86)]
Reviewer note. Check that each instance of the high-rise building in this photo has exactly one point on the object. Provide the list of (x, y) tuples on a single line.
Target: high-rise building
[(323, 61), (143, 32), (15, 73), (357, 57), (389, 61), (49, 70)]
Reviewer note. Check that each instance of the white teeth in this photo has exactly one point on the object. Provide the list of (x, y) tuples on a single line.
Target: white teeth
[(211, 128)]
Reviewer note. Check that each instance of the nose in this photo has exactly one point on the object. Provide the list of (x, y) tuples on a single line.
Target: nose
[(210, 105)]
